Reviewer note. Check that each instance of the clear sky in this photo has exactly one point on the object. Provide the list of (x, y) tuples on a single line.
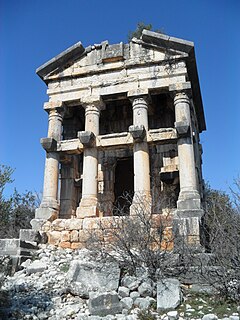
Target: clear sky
[(34, 31)]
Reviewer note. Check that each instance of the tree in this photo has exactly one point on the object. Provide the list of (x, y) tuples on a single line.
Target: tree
[(16, 211)]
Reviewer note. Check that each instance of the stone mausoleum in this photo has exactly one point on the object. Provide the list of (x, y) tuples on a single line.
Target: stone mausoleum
[(123, 119)]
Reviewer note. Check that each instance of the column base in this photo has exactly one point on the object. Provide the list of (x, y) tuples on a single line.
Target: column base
[(88, 208), (189, 200), (46, 213), (141, 204), (186, 230)]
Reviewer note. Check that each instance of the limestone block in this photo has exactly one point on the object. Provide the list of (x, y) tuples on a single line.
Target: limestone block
[(91, 223), (46, 213), (84, 277), (37, 224), (131, 282), (73, 224), (74, 236), (169, 294), (145, 289), (142, 303), (30, 235), (86, 138), (58, 224), (36, 266), (183, 128), (49, 144), (46, 226), (65, 236), (123, 291), (84, 235), (77, 245), (103, 304), (127, 303), (54, 237), (65, 244), (138, 132)]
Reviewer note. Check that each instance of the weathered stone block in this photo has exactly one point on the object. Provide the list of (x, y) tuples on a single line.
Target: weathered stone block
[(183, 128), (49, 144), (46, 214), (65, 236), (65, 244), (86, 137), (30, 235), (169, 294), (74, 236), (54, 237), (37, 224), (91, 223), (77, 245), (58, 224), (84, 277), (36, 266), (73, 224), (102, 304), (138, 132)]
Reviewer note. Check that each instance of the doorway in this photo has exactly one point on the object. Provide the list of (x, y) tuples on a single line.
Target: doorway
[(123, 186)]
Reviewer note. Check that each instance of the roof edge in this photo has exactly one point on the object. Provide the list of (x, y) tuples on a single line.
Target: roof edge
[(160, 39), (62, 58)]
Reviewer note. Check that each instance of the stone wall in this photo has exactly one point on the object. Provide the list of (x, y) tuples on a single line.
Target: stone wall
[(79, 233)]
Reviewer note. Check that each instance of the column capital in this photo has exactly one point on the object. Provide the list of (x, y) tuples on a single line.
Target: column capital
[(56, 105), (139, 98), (93, 103), (181, 97)]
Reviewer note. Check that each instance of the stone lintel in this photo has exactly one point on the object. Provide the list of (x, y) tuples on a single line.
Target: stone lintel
[(138, 132), (183, 214), (137, 92), (180, 86), (49, 144), (183, 128), (163, 136), (87, 138)]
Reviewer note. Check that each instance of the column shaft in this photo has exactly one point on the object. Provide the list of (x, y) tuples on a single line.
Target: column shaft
[(49, 206), (141, 158), (88, 204), (189, 196)]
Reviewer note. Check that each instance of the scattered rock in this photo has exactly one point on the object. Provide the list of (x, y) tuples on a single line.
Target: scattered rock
[(169, 294), (105, 303), (123, 292)]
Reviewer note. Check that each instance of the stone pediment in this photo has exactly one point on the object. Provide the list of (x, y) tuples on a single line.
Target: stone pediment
[(152, 47)]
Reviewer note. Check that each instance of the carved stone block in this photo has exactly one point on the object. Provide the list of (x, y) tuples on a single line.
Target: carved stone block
[(86, 137), (138, 132), (183, 128), (49, 144)]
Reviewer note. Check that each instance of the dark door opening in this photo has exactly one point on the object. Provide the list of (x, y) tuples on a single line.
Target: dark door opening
[(124, 186)]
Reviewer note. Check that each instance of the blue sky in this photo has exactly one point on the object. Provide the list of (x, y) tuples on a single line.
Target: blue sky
[(34, 31)]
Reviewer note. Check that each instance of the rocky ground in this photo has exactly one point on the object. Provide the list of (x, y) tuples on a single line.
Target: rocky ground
[(65, 284)]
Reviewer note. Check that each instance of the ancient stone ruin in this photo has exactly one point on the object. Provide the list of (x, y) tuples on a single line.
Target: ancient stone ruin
[(123, 118)]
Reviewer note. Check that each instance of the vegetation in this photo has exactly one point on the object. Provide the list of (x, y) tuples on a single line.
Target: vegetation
[(140, 27), (16, 211)]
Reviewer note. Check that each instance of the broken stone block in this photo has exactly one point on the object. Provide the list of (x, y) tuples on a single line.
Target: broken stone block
[(36, 266), (123, 292), (130, 282), (169, 294), (105, 303), (84, 277), (127, 303), (145, 289)]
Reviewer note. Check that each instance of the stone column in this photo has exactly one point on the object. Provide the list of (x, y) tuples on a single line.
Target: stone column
[(49, 207), (140, 154), (187, 218), (89, 204), (189, 196)]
